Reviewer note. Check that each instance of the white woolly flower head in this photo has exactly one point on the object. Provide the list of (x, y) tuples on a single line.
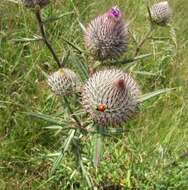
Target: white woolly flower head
[(161, 13), (110, 97), (63, 82)]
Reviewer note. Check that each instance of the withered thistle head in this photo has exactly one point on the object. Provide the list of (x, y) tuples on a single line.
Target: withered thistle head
[(106, 36), (33, 3), (161, 13), (63, 82), (110, 97)]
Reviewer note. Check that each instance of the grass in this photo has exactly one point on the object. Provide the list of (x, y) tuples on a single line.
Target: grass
[(138, 159)]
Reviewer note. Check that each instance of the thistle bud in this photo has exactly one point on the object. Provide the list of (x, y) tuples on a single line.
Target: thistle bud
[(63, 82), (110, 97), (33, 3), (106, 36), (160, 13)]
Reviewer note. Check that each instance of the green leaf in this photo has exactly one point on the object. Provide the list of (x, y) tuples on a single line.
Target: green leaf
[(147, 96), (133, 60), (64, 149), (82, 26), (44, 117), (146, 73), (173, 35), (56, 127), (54, 18), (15, 1), (86, 175)]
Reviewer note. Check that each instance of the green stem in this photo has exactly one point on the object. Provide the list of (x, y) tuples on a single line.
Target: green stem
[(85, 173), (98, 146), (145, 38), (76, 119)]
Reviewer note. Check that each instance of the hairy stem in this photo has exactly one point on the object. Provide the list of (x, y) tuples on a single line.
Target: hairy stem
[(44, 37)]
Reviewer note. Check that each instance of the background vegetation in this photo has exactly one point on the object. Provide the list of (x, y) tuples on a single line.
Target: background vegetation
[(138, 159)]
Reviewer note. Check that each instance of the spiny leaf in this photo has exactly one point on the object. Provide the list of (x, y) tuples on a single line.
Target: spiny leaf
[(58, 127), (64, 149), (153, 94), (44, 117)]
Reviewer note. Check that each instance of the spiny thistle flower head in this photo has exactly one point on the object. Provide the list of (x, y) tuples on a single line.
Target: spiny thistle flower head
[(161, 13), (106, 36), (110, 97), (63, 82), (33, 3)]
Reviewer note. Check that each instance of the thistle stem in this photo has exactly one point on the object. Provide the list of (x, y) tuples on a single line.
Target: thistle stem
[(44, 37), (145, 38), (72, 114)]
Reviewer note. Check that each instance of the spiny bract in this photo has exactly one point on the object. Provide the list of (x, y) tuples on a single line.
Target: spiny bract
[(106, 36), (63, 82), (33, 3), (160, 13), (110, 97)]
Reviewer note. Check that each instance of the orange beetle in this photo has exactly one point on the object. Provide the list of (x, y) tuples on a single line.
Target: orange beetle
[(101, 107)]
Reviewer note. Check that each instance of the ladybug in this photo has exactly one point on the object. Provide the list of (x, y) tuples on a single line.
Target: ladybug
[(101, 107)]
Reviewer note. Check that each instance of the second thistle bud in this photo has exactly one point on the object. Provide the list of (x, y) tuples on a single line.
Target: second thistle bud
[(63, 82), (33, 3), (106, 36), (161, 13)]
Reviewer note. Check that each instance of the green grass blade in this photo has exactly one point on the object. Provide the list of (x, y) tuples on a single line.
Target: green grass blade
[(24, 40), (55, 18)]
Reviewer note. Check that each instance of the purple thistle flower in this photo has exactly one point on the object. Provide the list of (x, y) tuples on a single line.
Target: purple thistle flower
[(110, 97), (114, 12), (106, 36)]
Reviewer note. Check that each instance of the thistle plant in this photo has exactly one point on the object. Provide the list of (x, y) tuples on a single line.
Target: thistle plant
[(109, 97), (159, 14)]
